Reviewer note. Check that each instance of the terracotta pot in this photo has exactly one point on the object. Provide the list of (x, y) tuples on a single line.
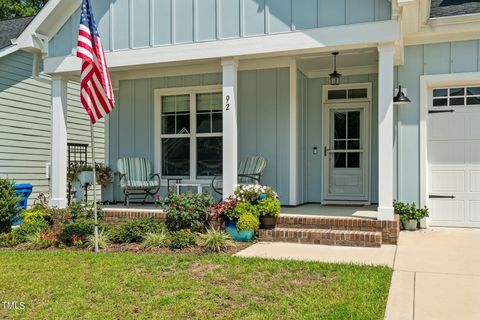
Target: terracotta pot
[(268, 222)]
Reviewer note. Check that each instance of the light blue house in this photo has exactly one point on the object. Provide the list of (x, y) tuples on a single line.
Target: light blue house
[(202, 84)]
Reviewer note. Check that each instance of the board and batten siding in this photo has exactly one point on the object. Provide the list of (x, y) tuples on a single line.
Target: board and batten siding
[(25, 133), (129, 24), (439, 58), (310, 175), (263, 106)]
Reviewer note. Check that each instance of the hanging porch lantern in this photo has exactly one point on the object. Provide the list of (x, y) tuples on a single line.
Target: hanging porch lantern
[(335, 76)]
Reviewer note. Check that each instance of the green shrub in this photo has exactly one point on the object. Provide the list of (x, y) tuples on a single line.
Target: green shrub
[(8, 240), (248, 221), (215, 240), (269, 207), (243, 208), (156, 240), (135, 230), (73, 230), (8, 205), (80, 209), (103, 240), (188, 211), (182, 239), (29, 228), (37, 212)]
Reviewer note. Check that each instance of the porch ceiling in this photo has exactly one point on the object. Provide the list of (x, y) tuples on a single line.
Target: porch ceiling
[(349, 62)]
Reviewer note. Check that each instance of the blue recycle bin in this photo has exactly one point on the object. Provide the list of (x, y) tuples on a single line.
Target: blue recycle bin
[(24, 190)]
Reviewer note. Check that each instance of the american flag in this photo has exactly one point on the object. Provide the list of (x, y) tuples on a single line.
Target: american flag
[(96, 92)]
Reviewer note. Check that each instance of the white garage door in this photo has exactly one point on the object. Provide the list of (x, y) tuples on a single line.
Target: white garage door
[(454, 157)]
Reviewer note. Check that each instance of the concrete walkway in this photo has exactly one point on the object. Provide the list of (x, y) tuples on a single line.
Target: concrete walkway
[(436, 271), (308, 252), (436, 276)]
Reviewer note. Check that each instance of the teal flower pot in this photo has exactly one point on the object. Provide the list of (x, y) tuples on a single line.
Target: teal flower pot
[(243, 236)]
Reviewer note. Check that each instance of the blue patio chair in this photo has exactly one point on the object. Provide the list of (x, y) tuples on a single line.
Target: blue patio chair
[(136, 178), (250, 171)]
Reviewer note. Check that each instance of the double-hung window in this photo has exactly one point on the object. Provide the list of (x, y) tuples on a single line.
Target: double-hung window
[(191, 135)]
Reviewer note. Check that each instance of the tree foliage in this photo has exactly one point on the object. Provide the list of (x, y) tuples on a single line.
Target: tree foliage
[(20, 8)]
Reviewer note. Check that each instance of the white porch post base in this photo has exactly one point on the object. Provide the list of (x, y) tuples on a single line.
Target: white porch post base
[(59, 143), (230, 141), (385, 131), (385, 213)]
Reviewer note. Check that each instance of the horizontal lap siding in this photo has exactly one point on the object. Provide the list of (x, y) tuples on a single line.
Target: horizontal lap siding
[(25, 105), (130, 24), (439, 58)]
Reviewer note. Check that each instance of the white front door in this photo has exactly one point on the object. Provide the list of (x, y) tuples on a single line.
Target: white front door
[(453, 132), (346, 153)]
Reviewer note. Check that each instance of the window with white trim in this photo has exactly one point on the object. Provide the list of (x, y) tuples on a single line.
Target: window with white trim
[(191, 135), (456, 97)]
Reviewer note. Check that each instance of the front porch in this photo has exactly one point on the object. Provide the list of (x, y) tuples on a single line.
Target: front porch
[(323, 144)]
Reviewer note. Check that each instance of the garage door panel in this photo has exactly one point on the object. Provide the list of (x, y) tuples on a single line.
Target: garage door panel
[(474, 120), (446, 152), (447, 181), (474, 181), (448, 210), (475, 211), (447, 126), (474, 150)]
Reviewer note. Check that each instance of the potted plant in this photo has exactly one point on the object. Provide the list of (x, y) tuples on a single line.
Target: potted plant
[(104, 174), (241, 218), (410, 214), (269, 210)]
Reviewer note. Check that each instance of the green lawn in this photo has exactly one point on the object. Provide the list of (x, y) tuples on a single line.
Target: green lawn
[(60, 284)]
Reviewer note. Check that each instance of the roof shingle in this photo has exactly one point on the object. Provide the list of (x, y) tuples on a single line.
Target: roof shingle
[(11, 29), (446, 8)]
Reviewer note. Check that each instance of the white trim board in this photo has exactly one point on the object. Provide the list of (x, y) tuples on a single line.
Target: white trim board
[(306, 41), (427, 82)]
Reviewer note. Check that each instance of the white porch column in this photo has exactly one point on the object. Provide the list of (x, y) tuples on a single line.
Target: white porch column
[(385, 131), (58, 197), (230, 141)]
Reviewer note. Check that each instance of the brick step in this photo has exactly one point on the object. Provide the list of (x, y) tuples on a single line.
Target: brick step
[(323, 222), (323, 236)]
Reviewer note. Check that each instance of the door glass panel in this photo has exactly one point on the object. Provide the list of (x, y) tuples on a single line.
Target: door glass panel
[(337, 94), (340, 145), (473, 91), (440, 92), (354, 125), (354, 144), (357, 93), (340, 125), (340, 160), (440, 102), (457, 91), (473, 100), (353, 160), (457, 101)]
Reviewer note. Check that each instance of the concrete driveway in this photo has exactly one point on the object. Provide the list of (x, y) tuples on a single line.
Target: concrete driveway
[(436, 276)]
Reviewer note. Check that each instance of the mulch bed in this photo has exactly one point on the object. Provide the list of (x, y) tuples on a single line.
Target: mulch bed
[(139, 248)]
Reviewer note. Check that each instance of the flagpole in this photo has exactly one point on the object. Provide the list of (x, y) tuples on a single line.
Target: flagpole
[(94, 188)]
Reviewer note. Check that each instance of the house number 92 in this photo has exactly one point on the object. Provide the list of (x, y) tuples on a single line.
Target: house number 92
[(227, 103)]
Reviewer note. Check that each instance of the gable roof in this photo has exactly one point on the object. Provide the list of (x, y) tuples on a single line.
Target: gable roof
[(11, 29), (446, 8)]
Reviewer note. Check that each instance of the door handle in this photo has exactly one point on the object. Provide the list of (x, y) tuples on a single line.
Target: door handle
[(325, 150), (436, 196)]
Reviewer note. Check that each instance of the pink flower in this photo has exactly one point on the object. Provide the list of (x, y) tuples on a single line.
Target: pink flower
[(156, 196)]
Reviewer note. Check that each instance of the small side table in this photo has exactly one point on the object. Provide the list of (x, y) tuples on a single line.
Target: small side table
[(193, 185), (175, 182)]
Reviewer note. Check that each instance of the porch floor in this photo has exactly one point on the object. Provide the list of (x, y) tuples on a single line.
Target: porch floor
[(316, 209), (369, 212)]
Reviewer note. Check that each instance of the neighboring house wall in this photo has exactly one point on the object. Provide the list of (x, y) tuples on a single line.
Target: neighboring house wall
[(263, 120), (440, 58), (25, 130), (125, 24)]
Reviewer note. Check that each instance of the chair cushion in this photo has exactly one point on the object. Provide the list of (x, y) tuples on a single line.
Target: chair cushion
[(136, 184), (135, 169)]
